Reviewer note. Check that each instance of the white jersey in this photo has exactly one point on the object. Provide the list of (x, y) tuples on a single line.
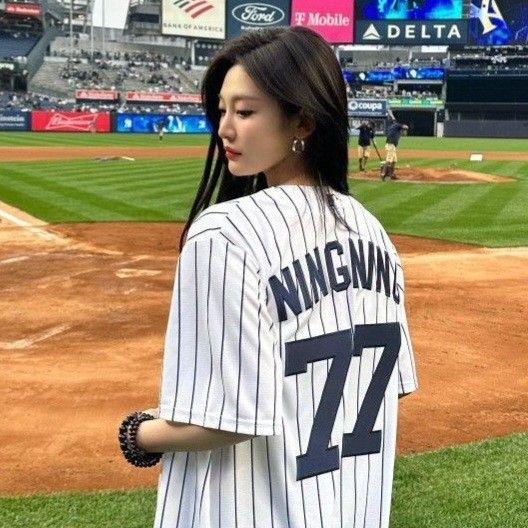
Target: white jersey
[(290, 327)]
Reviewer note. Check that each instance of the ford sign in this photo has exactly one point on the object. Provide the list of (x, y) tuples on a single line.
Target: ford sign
[(257, 14)]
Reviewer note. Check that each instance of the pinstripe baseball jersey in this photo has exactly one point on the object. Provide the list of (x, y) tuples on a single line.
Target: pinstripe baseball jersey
[(287, 325)]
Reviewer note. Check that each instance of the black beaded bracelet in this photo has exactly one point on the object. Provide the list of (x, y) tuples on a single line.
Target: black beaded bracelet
[(128, 441)]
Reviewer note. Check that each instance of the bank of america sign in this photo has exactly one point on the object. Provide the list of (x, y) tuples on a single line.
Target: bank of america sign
[(412, 32)]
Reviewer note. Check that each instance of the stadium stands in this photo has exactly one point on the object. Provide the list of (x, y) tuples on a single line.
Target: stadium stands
[(16, 44)]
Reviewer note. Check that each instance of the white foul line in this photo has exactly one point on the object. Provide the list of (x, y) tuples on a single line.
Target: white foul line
[(35, 338), (42, 233)]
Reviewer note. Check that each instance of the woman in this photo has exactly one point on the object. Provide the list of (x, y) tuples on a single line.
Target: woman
[(287, 342)]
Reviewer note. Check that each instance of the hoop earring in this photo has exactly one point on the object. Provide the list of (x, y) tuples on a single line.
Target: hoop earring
[(298, 146)]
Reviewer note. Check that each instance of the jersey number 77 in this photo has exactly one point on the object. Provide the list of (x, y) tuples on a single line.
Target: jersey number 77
[(341, 346)]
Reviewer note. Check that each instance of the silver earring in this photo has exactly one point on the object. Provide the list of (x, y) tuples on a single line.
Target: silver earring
[(298, 146)]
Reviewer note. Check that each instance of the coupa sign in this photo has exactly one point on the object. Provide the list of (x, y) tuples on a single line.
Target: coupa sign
[(248, 16), (367, 108), (412, 32)]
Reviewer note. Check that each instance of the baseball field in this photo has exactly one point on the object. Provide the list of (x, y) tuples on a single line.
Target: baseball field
[(89, 230)]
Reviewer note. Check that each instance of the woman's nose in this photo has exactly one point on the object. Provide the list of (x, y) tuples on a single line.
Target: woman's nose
[(225, 127)]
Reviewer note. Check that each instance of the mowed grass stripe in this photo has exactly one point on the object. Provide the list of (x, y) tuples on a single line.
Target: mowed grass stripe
[(141, 170), (388, 195), (90, 176), (100, 139), (516, 209), (164, 190), (42, 202), (437, 206), (418, 209), (403, 208), (170, 140), (443, 204), (99, 203), (37, 206), (481, 204)]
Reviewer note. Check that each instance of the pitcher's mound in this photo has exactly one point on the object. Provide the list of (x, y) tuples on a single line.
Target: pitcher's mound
[(451, 175)]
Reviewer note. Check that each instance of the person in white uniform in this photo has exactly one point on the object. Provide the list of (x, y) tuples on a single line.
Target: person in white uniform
[(287, 344)]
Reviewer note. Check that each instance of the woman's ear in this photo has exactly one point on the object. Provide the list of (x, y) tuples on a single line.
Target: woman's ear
[(305, 125)]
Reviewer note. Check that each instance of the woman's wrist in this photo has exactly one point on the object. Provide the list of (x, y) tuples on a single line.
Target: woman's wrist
[(128, 440)]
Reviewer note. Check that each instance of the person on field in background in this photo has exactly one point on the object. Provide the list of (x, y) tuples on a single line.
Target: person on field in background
[(283, 361), (394, 132), (366, 135), (160, 127)]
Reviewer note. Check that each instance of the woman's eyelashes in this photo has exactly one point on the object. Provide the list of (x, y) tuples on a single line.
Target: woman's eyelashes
[(241, 113)]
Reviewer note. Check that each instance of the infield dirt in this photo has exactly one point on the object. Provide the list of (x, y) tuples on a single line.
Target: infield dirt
[(83, 322), (82, 334)]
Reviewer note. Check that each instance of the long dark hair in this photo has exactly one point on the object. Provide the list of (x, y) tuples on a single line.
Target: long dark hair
[(298, 69)]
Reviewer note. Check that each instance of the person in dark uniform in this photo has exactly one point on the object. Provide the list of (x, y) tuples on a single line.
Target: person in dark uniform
[(393, 134), (160, 127), (366, 135)]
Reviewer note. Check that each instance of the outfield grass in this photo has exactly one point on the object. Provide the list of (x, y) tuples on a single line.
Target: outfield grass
[(151, 140), (162, 190), (480, 485), (57, 139), (492, 215)]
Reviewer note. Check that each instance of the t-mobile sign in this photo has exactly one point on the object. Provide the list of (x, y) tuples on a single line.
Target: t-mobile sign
[(332, 19)]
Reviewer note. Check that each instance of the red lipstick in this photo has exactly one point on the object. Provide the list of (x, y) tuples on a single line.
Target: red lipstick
[(231, 154)]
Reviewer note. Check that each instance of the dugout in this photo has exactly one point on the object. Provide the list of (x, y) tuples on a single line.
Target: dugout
[(422, 122), (480, 105)]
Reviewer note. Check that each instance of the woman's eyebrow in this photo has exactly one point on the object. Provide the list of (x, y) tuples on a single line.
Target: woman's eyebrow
[(241, 97)]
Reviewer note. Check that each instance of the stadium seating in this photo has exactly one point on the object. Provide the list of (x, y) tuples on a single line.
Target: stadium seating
[(16, 45)]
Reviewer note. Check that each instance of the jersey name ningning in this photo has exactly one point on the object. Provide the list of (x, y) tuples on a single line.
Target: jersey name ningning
[(366, 266)]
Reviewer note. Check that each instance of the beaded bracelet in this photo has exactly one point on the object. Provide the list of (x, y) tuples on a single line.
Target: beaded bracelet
[(128, 441)]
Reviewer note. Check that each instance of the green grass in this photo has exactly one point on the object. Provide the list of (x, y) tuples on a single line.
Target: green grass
[(463, 144), (151, 140), (91, 191), (492, 215), (479, 485), (54, 139), (112, 509)]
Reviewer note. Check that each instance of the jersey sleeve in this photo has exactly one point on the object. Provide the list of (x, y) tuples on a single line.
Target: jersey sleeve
[(220, 367), (407, 378)]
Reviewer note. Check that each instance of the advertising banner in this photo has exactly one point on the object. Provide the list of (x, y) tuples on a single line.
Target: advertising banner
[(172, 123), (8, 65), (44, 121), (332, 19), (13, 120), (412, 32), (163, 97), (194, 18), (96, 95), (435, 73), (409, 10), (408, 102), (248, 16), (498, 22), (23, 9), (367, 108)]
